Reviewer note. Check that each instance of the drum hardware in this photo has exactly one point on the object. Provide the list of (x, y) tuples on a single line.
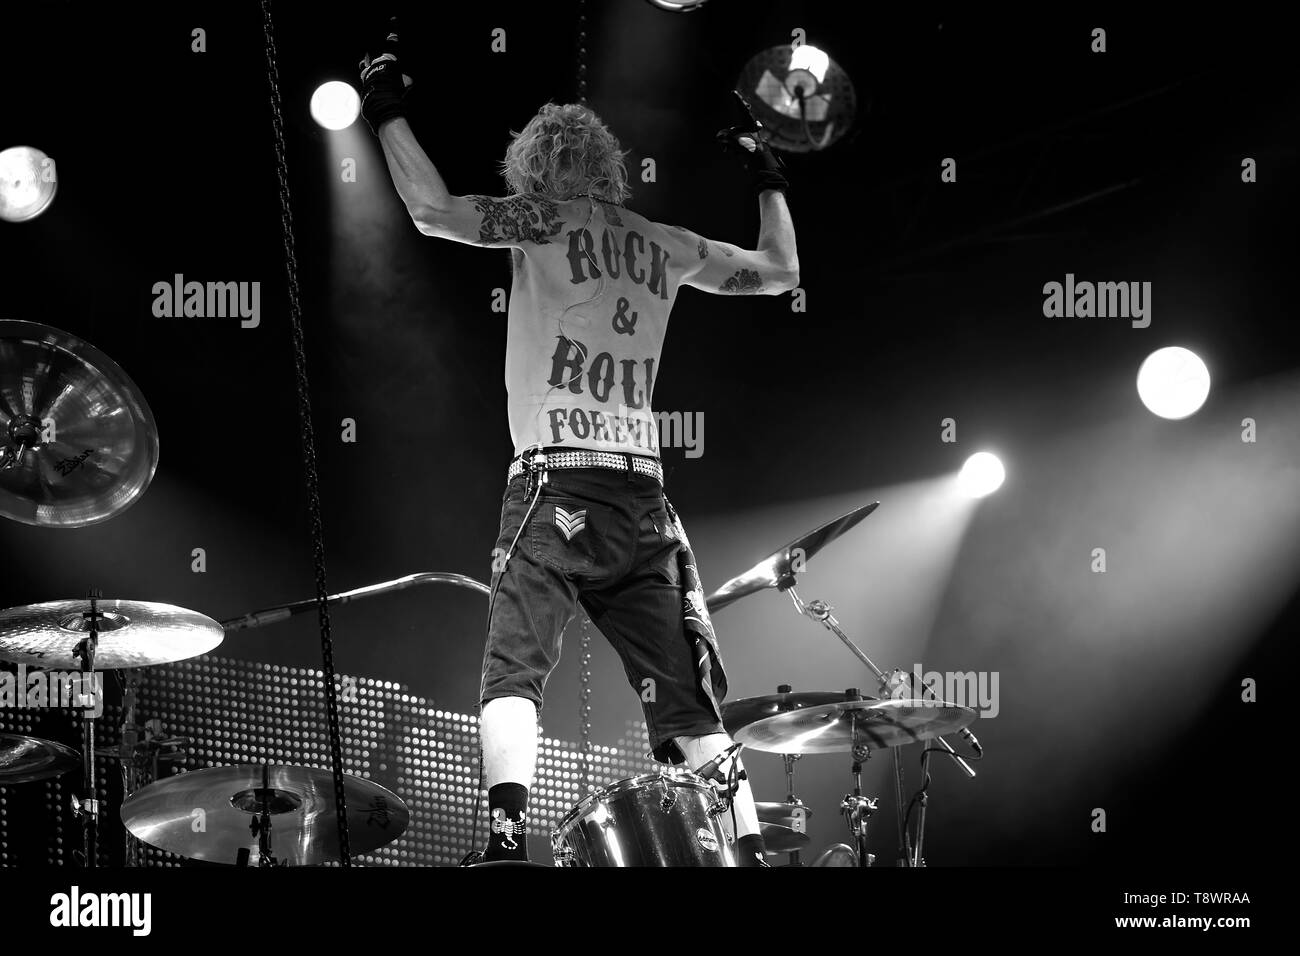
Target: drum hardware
[(282, 612), (838, 855), (243, 806), (627, 824), (78, 442), (128, 634), (669, 798), (91, 637), (857, 809), (29, 759), (260, 824), (786, 723), (86, 808), (785, 825), (726, 794)]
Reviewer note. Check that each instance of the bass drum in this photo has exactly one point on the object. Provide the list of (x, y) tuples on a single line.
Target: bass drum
[(671, 818)]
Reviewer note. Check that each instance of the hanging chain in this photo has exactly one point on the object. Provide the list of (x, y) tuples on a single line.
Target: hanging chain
[(584, 648), (582, 52), (584, 706), (308, 436)]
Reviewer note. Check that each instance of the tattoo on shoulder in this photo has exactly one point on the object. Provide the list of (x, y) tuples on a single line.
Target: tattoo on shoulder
[(727, 251), (744, 282), (516, 218), (703, 249), (611, 214)]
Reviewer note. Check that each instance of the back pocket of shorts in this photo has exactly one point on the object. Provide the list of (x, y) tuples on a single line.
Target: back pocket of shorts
[(567, 534)]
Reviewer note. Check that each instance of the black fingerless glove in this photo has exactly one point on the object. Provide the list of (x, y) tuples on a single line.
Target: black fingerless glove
[(763, 167), (382, 89)]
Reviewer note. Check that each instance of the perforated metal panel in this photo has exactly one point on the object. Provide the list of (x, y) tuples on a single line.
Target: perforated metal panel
[(242, 712)]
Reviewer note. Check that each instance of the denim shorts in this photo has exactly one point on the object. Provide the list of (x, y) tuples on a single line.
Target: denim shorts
[(610, 541)]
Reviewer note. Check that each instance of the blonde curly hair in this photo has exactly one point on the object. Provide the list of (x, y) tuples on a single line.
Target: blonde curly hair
[(564, 151)]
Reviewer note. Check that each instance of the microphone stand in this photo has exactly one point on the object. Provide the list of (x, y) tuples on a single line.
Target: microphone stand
[(820, 611), (282, 612)]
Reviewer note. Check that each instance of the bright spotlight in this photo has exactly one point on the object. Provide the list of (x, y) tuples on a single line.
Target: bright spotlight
[(810, 58), (678, 6), (335, 105), (982, 475), (27, 183), (1173, 382)]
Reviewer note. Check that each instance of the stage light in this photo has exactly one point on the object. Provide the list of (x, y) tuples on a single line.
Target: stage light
[(27, 183), (679, 6), (335, 105), (1173, 382), (808, 66), (802, 97), (982, 475)]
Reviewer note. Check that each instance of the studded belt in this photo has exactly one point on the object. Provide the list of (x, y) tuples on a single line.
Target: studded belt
[(555, 460)]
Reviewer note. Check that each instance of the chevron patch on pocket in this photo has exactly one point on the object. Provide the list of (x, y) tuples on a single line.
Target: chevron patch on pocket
[(570, 523)]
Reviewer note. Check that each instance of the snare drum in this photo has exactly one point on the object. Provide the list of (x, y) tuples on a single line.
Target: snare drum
[(671, 818)]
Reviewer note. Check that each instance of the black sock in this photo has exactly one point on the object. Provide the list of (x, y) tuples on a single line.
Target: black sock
[(750, 850), (507, 803)]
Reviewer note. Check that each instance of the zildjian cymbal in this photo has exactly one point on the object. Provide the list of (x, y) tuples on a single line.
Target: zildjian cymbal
[(27, 759), (77, 439), (300, 801), (777, 569), (821, 723), (131, 634)]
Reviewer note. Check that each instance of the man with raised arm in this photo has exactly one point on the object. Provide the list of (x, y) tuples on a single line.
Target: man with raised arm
[(584, 518)]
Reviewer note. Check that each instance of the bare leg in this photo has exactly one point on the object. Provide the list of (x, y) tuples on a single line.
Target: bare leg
[(699, 751), (508, 731)]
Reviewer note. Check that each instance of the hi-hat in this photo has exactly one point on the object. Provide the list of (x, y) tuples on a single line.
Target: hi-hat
[(77, 439), (131, 634), (27, 759), (784, 826), (304, 818), (777, 569)]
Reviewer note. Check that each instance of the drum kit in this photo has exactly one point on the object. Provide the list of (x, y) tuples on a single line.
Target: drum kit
[(673, 818), (78, 444)]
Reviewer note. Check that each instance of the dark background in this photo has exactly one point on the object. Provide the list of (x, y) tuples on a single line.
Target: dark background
[(1118, 691)]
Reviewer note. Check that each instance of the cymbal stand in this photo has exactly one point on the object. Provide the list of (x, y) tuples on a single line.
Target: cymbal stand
[(820, 611), (857, 809), (260, 826), (792, 800), (86, 807)]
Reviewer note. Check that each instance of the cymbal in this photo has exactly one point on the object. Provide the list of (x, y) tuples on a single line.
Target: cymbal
[(781, 839), (78, 441), (809, 724), (304, 829), (27, 759), (776, 569), (131, 634), (781, 814)]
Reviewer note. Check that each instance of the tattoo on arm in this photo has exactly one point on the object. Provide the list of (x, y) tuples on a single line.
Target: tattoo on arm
[(703, 249), (516, 218), (744, 282)]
